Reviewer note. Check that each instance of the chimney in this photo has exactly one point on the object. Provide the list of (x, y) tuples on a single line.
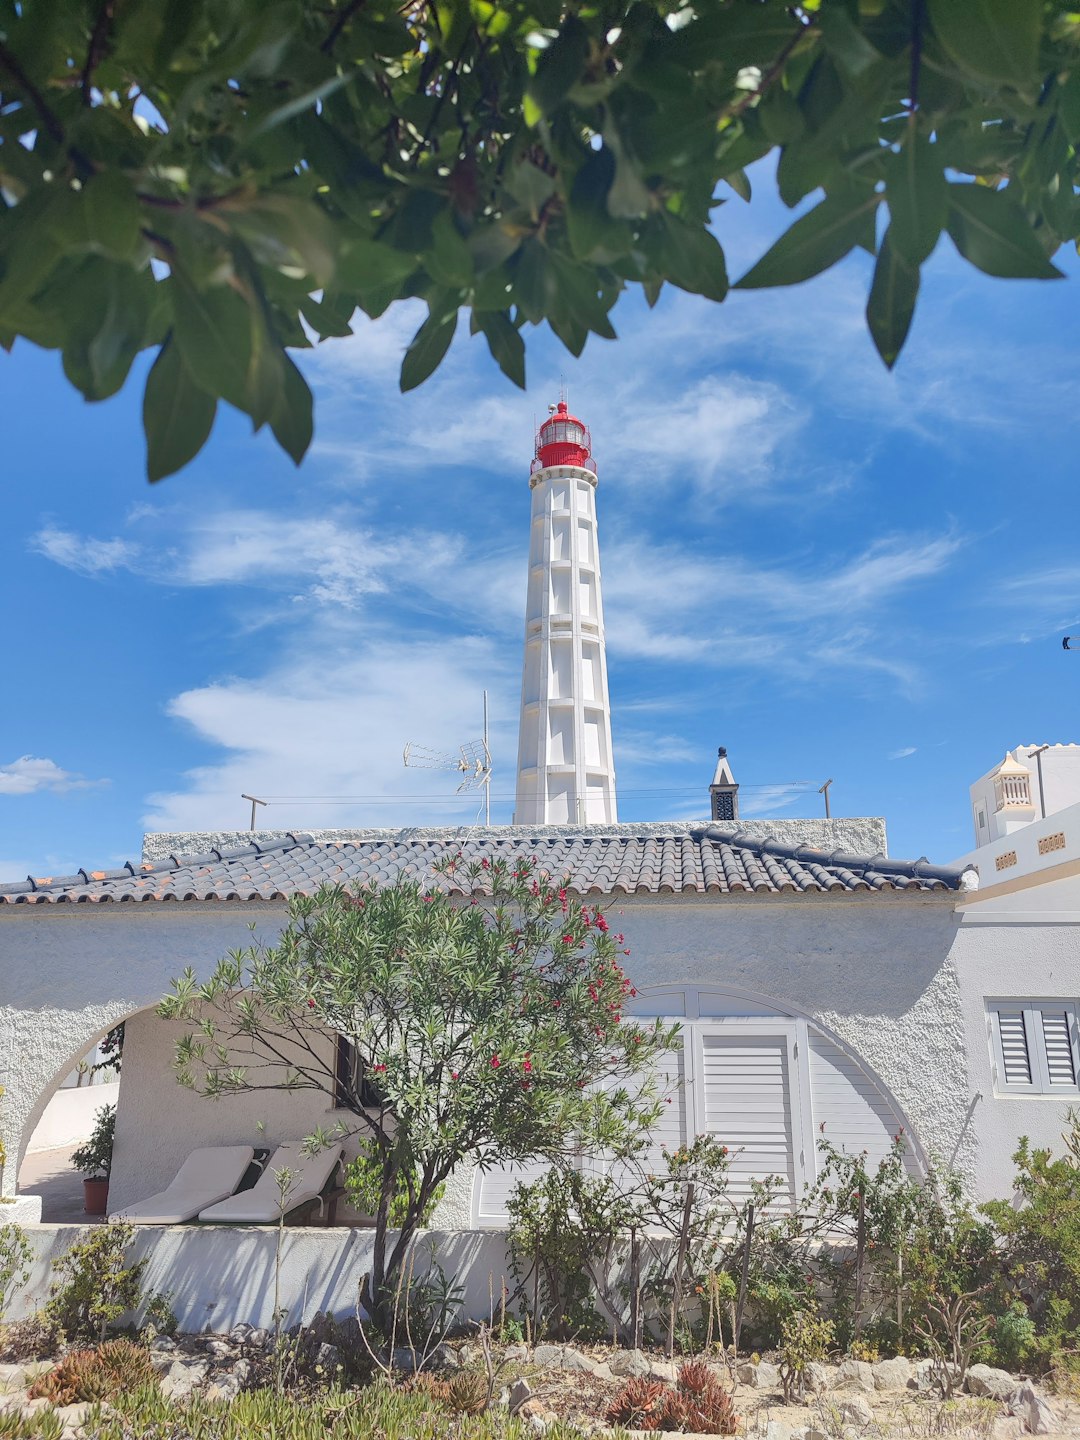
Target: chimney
[(724, 791)]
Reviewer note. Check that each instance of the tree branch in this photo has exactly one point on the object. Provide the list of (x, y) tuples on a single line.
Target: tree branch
[(52, 125), (339, 24), (96, 49)]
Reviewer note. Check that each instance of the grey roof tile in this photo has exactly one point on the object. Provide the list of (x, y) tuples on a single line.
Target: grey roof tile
[(706, 860)]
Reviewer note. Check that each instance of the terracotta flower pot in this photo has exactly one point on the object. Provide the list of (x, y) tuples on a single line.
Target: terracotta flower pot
[(95, 1196)]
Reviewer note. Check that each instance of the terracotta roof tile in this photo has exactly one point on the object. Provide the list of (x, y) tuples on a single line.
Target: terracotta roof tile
[(707, 859)]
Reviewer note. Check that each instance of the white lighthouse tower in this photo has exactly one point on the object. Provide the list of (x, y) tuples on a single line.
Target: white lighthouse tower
[(565, 775)]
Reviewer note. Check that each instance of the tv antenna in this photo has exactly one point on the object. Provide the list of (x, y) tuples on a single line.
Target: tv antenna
[(472, 762)]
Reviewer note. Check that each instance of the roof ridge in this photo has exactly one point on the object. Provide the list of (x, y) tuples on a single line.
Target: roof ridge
[(877, 864)]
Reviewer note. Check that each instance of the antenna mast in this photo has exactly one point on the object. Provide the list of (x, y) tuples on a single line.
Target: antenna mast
[(472, 762)]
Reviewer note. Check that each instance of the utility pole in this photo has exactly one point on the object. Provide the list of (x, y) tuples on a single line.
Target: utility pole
[(824, 790), (254, 802)]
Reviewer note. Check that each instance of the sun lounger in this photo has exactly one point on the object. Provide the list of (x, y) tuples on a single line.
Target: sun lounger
[(206, 1176), (261, 1205)]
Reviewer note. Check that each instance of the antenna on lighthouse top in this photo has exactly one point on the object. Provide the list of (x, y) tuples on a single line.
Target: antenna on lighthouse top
[(472, 762)]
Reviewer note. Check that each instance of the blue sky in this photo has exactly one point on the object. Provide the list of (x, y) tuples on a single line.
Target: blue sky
[(831, 570)]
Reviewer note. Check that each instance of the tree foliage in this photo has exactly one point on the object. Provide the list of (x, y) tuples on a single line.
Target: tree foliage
[(489, 1029), (221, 183)]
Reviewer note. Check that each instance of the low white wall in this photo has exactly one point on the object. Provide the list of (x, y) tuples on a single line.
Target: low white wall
[(218, 1276), (69, 1116)]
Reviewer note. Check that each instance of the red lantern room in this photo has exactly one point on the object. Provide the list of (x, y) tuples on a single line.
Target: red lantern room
[(563, 440)]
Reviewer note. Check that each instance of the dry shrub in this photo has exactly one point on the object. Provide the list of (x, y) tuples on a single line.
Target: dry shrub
[(34, 1338), (423, 1382)]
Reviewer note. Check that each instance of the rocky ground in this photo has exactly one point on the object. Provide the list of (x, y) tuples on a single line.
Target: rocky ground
[(894, 1399)]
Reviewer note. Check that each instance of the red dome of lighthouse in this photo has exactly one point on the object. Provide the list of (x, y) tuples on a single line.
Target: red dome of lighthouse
[(563, 439)]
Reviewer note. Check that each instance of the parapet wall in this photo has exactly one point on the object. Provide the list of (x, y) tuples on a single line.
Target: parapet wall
[(858, 835)]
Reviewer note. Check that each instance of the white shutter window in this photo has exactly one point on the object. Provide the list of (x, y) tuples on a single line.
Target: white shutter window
[(747, 1105), (1015, 1060), (1057, 1041), (1035, 1046)]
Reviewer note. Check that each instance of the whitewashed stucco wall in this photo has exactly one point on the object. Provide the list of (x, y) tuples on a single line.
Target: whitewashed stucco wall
[(875, 970), (1024, 945)]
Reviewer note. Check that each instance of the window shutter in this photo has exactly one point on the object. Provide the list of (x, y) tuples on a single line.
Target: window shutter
[(1059, 1051), (1014, 1047)]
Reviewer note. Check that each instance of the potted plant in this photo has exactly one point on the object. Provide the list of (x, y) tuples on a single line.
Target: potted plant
[(94, 1159)]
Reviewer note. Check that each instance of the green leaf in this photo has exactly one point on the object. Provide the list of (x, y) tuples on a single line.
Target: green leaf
[(324, 319), (917, 195), (450, 263), (991, 231), (505, 343), (892, 301), (994, 39), (368, 265), (108, 329), (815, 242), (740, 183), (292, 420), (530, 186), (845, 42), (289, 234), (425, 354), (212, 329), (560, 65), (112, 214), (691, 257), (178, 415)]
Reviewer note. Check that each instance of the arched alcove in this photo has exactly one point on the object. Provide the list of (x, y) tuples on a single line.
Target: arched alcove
[(760, 1075)]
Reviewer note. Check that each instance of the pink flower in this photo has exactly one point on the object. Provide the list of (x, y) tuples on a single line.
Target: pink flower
[(567, 939), (428, 899), (495, 1062), (378, 1068), (555, 1004), (311, 1004), (485, 863), (601, 923), (527, 1063), (453, 1074)]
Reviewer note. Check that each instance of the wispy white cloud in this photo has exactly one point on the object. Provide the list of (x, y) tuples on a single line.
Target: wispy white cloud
[(903, 752), (322, 738), (83, 553), (30, 774), (768, 799)]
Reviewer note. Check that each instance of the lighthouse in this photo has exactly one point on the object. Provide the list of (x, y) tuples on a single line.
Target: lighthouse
[(565, 774)]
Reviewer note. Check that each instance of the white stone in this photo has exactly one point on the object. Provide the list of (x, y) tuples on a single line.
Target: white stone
[(629, 1362), (986, 1380), (225, 1386), (663, 1370), (891, 1374), (854, 1375), (926, 1377), (761, 1376), (219, 1349), (512, 1353), (815, 1378), (856, 1411), (520, 1391), (72, 1416), (183, 1377), (1037, 1416)]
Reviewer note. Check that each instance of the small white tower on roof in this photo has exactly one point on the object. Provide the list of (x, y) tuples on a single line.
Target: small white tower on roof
[(566, 775), (724, 790)]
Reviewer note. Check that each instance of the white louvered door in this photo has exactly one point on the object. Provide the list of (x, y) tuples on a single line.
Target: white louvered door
[(748, 1094)]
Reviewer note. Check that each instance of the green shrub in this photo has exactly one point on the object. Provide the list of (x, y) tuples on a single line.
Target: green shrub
[(94, 1157), (805, 1338), (15, 1258), (1040, 1242), (96, 1285)]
